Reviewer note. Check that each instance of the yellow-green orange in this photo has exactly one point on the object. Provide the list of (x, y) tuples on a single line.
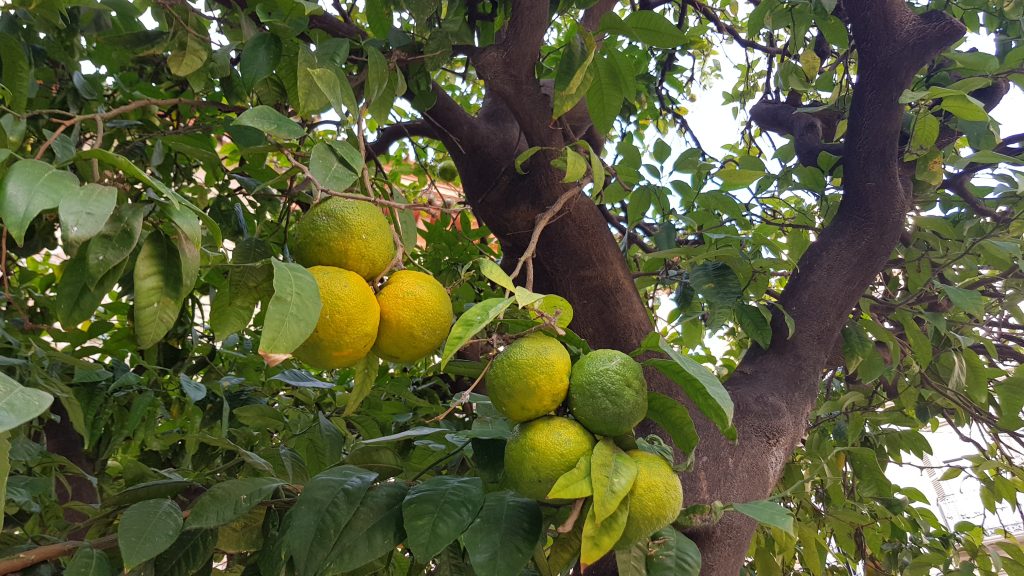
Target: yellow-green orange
[(529, 378), (654, 500), (540, 451), (343, 233), (447, 171), (348, 320), (415, 315), (607, 392)]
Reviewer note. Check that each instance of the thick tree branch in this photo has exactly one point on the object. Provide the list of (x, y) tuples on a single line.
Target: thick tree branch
[(723, 28), (894, 43), (810, 130), (507, 69), (395, 132)]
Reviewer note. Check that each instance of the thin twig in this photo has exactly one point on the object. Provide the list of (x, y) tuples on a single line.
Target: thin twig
[(115, 112), (464, 395), (542, 221), (570, 522)]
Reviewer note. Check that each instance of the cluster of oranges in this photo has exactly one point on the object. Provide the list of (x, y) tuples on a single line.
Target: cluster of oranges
[(347, 245)]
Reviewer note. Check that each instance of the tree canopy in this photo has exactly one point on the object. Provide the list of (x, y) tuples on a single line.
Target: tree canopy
[(809, 303)]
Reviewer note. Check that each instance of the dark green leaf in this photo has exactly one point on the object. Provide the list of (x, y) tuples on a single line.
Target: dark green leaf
[(673, 418), (650, 27), (28, 188), (317, 520), (147, 529), (755, 323), (375, 528), (190, 553), (502, 538), (158, 289), (259, 57), (16, 74), (230, 500), (438, 511), (673, 555), (88, 562)]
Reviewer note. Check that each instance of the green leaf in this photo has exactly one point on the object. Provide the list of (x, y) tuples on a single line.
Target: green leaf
[(525, 156), (374, 530), (653, 29), (495, 274), (471, 323), (147, 529), (376, 74), (293, 311), (755, 323), (336, 88), (632, 561), (673, 554), (329, 171), (83, 215), (926, 132), (700, 385), (612, 473), (229, 500), (438, 511), (311, 99), (969, 301), (600, 537), (190, 553), (365, 376), (28, 188), (88, 561), (259, 57), (965, 108), (189, 56), (768, 513), (608, 88), (1010, 393), (19, 404), (920, 344), (16, 74), (502, 538), (270, 122), (673, 418), (114, 242), (378, 16), (78, 293), (575, 166), (159, 289), (870, 479), (734, 178), (573, 75), (717, 283), (575, 483), (319, 516)]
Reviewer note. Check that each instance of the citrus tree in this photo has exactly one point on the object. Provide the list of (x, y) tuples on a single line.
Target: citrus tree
[(452, 287)]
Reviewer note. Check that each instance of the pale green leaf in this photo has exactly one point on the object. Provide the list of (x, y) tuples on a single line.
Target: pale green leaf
[(293, 311)]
